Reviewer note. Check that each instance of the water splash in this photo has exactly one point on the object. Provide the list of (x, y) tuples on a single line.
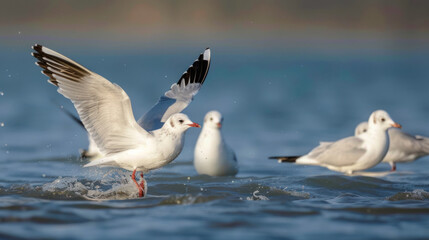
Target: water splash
[(64, 184), (256, 197), (114, 185)]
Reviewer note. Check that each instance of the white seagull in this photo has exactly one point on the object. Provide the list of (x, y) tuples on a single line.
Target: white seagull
[(212, 156), (354, 153), (105, 110), (403, 146), (175, 100)]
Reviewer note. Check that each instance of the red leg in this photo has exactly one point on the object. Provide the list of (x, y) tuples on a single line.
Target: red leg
[(142, 182), (138, 186), (393, 167)]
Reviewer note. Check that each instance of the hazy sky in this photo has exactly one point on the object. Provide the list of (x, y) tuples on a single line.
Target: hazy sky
[(246, 23)]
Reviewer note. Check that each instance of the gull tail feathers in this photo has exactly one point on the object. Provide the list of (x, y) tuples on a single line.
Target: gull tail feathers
[(102, 162), (282, 159), (424, 143)]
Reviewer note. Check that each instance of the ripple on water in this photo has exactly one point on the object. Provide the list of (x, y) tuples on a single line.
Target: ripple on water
[(340, 183), (418, 194)]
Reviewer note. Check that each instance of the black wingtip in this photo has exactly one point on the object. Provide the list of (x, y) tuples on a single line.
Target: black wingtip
[(72, 116), (54, 65), (290, 159), (37, 47), (198, 71), (85, 154)]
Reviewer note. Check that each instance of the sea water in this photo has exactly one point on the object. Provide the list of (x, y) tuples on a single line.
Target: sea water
[(273, 103)]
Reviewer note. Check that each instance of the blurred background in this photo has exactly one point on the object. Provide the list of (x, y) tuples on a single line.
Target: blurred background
[(282, 67), (284, 74), (241, 25)]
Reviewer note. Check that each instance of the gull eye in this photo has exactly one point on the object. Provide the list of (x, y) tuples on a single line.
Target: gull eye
[(383, 119), (211, 119), (364, 130), (181, 121)]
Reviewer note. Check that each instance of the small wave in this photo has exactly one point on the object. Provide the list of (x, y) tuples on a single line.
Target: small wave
[(292, 193), (187, 199), (256, 197), (418, 194)]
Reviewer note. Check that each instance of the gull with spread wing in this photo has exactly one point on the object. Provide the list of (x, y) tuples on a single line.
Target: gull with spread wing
[(105, 110), (175, 100)]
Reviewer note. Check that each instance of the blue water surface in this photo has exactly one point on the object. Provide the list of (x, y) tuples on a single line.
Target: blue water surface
[(274, 103)]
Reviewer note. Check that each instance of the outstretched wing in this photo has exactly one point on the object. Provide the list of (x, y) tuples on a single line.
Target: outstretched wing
[(103, 107), (180, 94)]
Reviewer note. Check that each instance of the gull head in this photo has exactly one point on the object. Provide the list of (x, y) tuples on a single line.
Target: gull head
[(213, 119), (380, 119), (180, 122), (361, 128)]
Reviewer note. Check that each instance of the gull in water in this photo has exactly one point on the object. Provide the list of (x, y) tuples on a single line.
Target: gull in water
[(403, 146), (352, 154), (105, 110), (212, 156), (175, 100)]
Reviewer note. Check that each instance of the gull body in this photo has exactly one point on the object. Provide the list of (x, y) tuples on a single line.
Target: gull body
[(159, 148), (355, 153), (403, 147), (212, 156), (105, 110)]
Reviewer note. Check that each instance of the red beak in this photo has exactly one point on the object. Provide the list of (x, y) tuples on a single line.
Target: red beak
[(396, 125), (194, 125), (219, 125)]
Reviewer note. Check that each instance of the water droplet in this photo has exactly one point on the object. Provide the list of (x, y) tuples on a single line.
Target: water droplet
[(7, 152), (2, 124), (19, 32), (165, 76), (9, 75), (189, 178), (43, 175), (1, 93)]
